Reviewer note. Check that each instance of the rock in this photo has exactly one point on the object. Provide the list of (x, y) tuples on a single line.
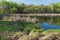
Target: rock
[(32, 36), (34, 33), (51, 36), (24, 37), (17, 35)]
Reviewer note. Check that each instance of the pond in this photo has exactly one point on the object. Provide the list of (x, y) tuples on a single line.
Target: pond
[(47, 26)]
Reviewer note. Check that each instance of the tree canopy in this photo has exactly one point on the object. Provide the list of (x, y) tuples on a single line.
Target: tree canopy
[(12, 7)]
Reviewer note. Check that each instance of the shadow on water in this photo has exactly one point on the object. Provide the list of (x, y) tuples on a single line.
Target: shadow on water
[(47, 26)]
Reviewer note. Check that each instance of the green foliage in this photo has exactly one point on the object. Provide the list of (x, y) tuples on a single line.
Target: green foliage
[(12, 7), (52, 31), (18, 26), (27, 27)]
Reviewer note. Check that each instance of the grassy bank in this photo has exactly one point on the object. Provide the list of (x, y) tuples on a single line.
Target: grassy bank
[(18, 26), (19, 29)]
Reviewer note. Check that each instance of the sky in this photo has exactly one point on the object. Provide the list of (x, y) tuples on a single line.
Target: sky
[(36, 2)]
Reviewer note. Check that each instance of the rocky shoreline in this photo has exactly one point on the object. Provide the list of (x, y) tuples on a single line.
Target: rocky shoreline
[(30, 36)]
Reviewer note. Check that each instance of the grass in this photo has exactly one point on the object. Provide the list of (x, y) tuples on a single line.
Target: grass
[(52, 31), (18, 26), (22, 26)]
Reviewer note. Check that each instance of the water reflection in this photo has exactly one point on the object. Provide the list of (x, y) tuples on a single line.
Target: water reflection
[(47, 26)]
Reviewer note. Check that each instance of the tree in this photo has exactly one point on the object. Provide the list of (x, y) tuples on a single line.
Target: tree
[(52, 6), (57, 7), (30, 9), (20, 8), (41, 8), (12, 7), (7, 7), (47, 9)]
